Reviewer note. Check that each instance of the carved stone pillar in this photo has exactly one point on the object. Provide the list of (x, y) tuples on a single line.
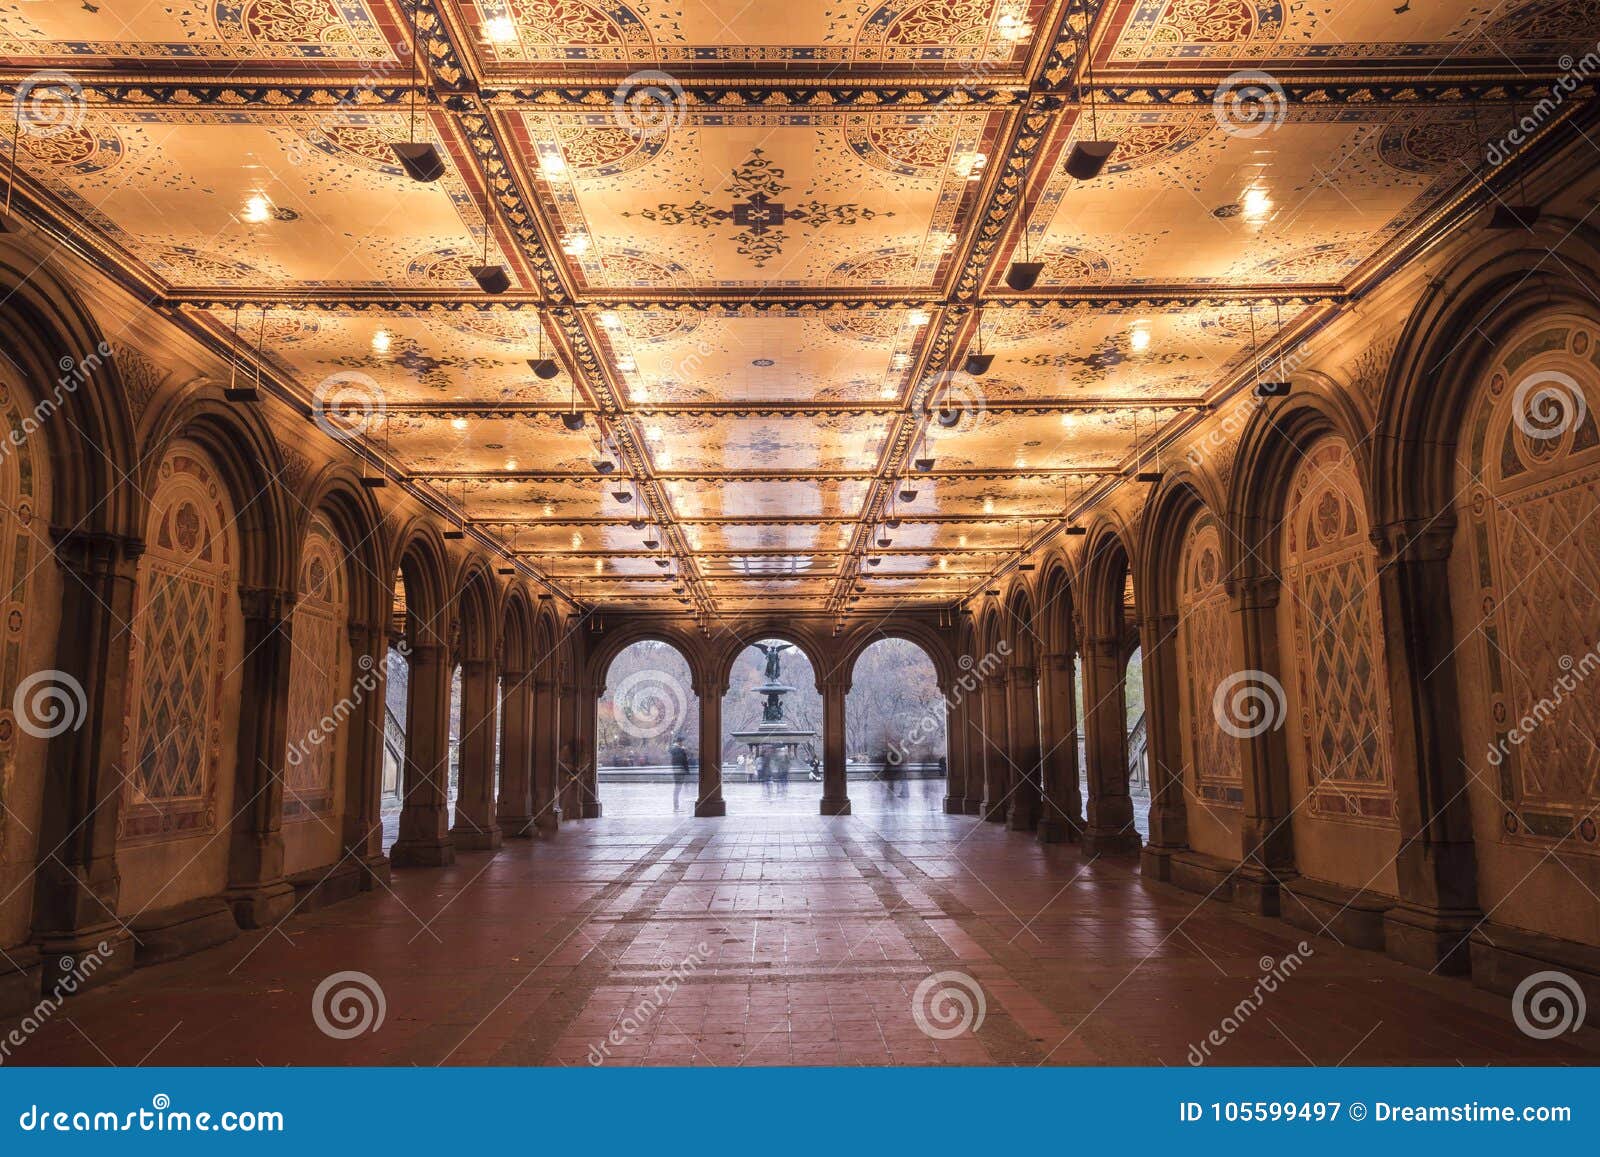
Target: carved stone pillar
[(835, 791), (546, 756), (514, 806), (569, 764), (257, 891), (997, 758), (1266, 833), (76, 888), (363, 784), (1110, 828), (976, 742), (1169, 833), (1061, 808), (955, 748), (709, 801), (424, 839), (1437, 864), (476, 827), (588, 754), (1022, 705)]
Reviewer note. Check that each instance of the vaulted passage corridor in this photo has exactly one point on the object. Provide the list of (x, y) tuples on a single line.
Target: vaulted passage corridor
[(792, 940)]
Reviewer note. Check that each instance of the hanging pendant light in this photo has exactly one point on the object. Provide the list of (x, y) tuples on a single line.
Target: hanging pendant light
[(1024, 275), (977, 364), (457, 530), (8, 223), (1279, 387), (546, 368), (1144, 475), (509, 566), (379, 480), (234, 392), (1088, 157), (420, 159), (490, 278)]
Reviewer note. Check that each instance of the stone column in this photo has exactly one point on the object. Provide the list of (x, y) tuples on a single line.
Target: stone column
[(955, 748), (835, 791), (709, 801), (1437, 864), (514, 806), (977, 750), (997, 758), (1061, 809), (1158, 639), (1110, 828), (257, 891), (363, 785), (424, 839), (476, 827), (546, 756), (568, 765), (1022, 705), (1266, 834), (76, 886), (588, 753)]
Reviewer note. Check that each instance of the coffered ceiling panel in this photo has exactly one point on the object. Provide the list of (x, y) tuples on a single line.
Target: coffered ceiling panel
[(786, 443), (761, 199)]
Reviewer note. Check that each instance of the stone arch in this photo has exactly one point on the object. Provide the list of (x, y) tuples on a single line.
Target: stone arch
[(817, 647), (336, 494), (934, 642), (1104, 581), (620, 636)]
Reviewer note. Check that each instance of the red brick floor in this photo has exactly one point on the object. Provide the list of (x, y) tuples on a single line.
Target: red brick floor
[(801, 940)]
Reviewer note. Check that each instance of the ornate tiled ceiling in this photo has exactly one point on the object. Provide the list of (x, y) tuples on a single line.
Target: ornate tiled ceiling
[(759, 242)]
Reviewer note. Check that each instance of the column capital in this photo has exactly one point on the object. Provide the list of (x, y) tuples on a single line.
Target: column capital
[(91, 553), (1024, 677), (1414, 540), (709, 690), (476, 666), (266, 604), (836, 686), (1057, 660), (515, 674), (1255, 592)]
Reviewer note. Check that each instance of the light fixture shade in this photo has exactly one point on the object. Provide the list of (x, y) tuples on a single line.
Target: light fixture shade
[(604, 465), (651, 543), (505, 570), (619, 495), (923, 465), (1147, 476), (1076, 530), (491, 278), (1024, 275), (1513, 216), (893, 524), (545, 368), (886, 541), (455, 534), (1272, 389), (1025, 566), (1087, 158), (978, 364), (874, 560), (908, 495), (949, 419), (419, 159), (241, 393), (374, 481), (572, 420)]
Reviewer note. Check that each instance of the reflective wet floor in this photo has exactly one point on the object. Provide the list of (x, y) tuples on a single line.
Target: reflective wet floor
[(897, 936)]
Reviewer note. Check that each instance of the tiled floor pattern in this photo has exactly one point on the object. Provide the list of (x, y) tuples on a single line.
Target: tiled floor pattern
[(786, 940)]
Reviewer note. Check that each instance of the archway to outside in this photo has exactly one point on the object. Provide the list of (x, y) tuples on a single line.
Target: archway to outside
[(647, 733), (895, 728), (772, 739), (396, 694), (1138, 743)]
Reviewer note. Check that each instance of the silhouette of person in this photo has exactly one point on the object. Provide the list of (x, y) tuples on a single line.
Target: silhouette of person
[(680, 769)]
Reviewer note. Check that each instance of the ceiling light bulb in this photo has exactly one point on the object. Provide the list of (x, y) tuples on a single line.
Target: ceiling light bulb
[(653, 433), (1069, 420), (511, 463), (549, 510), (1013, 27), (626, 364), (961, 540), (459, 423), (577, 540), (610, 319), (257, 208), (988, 506), (918, 317), (501, 29), (1139, 338), (1255, 205), (381, 341), (575, 244)]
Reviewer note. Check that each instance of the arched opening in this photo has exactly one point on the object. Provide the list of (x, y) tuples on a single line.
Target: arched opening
[(896, 730), (1138, 743), (647, 733), (396, 694), (772, 731)]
